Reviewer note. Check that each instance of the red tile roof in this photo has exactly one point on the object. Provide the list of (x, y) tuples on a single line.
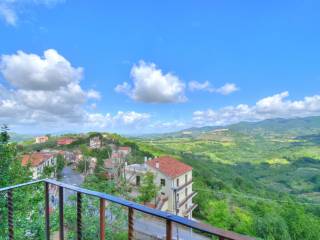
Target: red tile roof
[(65, 141), (124, 148), (35, 159), (169, 166)]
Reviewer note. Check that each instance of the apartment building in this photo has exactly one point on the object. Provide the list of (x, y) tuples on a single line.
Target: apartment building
[(38, 161), (174, 179), (95, 142), (41, 139)]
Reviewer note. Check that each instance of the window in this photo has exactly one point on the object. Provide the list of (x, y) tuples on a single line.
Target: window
[(186, 206), (162, 182), (138, 180), (177, 197), (186, 191), (186, 178), (177, 182)]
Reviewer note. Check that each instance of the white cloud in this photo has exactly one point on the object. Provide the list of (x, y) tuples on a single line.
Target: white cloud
[(151, 85), (9, 8), (8, 14), (93, 94), (30, 71), (275, 106), (44, 94), (226, 89), (120, 120), (195, 85), (43, 89)]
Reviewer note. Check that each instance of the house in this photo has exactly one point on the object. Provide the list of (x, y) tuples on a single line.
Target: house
[(37, 161), (42, 139), (95, 142), (65, 141), (174, 179), (124, 151)]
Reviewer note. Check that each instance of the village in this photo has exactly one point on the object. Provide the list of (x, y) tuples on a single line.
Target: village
[(170, 188)]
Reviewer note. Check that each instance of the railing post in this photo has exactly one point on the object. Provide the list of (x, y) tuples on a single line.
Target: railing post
[(79, 216), (168, 230), (10, 214), (61, 223), (102, 218), (130, 223), (47, 214)]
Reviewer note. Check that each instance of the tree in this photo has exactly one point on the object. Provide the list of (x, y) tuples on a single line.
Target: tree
[(148, 189), (4, 135), (60, 164)]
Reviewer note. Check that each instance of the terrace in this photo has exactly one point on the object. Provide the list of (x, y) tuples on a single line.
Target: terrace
[(171, 222)]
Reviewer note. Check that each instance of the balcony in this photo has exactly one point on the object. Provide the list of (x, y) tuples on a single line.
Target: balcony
[(132, 209)]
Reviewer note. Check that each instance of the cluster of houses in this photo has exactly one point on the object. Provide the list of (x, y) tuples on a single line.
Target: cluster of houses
[(173, 177)]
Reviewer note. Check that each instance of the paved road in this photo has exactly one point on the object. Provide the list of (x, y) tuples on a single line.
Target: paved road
[(71, 177), (157, 228)]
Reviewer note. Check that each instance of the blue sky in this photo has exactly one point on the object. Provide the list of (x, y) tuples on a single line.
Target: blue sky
[(156, 66)]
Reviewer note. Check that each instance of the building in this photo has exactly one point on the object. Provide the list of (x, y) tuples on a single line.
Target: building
[(95, 142), (42, 139), (124, 151), (174, 179), (65, 141), (37, 161)]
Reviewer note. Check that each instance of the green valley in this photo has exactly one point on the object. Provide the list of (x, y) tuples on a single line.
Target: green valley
[(261, 179)]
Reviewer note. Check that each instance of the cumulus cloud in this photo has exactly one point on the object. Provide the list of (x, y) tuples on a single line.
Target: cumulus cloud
[(226, 89), (30, 71), (42, 88), (45, 92), (9, 8), (276, 106), (151, 85)]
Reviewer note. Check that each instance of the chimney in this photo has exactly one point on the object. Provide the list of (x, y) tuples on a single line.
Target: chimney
[(157, 164), (125, 164), (145, 159)]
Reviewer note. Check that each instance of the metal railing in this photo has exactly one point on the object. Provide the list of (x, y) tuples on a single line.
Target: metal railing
[(131, 206)]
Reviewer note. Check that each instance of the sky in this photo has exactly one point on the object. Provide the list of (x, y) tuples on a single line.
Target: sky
[(137, 67)]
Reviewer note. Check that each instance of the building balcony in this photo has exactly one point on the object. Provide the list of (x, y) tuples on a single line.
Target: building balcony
[(135, 215), (191, 195)]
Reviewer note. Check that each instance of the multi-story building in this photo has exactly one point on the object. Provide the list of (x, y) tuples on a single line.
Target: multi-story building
[(42, 139), (95, 142), (174, 179), (65, 141), (37, 161), (124, 151)]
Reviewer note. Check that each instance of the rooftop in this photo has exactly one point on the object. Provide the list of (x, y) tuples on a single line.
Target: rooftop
[(35, 159), (169, 166)]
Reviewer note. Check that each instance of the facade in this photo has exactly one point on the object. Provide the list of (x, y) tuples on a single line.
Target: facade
[(65, 141), (42, 139), (95, 142), (38, 161), (174, 179), (124, 151)]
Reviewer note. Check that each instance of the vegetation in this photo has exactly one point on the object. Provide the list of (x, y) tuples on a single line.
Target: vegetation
[(148, 190), (259, 179)]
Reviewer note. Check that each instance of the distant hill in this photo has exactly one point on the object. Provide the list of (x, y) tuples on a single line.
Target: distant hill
[(15, 137), (295, 126), (277, 126)]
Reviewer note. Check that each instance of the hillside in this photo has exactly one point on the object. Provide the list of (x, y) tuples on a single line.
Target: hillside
[(277, 126), (264, 175)]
